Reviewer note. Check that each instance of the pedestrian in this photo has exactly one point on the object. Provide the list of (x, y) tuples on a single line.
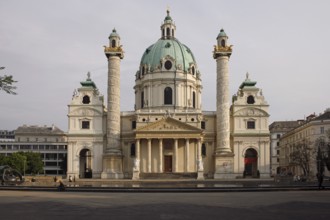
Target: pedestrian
[(320, 180), (61, 187)]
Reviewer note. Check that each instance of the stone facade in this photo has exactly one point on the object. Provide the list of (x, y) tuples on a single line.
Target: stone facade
[(312, 131), (277, 130)]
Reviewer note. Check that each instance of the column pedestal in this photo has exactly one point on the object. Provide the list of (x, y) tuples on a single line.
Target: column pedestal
[(112, 167), (136, 175), (200, 175), (224, 167)]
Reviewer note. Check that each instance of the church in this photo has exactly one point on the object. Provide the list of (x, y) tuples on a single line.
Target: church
[(168, 135)]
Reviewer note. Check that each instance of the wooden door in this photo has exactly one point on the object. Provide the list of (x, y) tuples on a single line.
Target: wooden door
[(168, 164)]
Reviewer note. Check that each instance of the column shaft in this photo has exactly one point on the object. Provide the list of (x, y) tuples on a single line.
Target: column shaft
[(161, 155), (137, 149), (187, 156), (223, 105), (175, 155), (149, 156), (113, 115)]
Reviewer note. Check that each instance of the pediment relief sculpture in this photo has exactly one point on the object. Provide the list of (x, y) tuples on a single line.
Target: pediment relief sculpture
[(168, 124)]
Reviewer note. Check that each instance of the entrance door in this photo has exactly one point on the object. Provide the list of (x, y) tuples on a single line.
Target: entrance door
[(168, 164), (85, 170), (251, 163)]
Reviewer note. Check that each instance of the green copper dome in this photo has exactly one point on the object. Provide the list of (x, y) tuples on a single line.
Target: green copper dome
[(222, 34), (165, 49), (114, 33)]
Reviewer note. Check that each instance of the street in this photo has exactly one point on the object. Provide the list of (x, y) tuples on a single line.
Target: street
[(226, 205)]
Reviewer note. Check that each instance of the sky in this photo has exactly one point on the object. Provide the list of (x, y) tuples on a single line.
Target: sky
[(49, 46)]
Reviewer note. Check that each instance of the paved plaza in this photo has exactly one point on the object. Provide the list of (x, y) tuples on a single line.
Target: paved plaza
[(312, 204)]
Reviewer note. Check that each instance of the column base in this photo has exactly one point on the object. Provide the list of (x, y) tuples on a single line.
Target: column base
[(224, 166), (200, 175), (112, 167), (136, 175)]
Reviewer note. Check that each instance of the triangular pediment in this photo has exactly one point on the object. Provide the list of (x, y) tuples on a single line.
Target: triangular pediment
[(169, 125)]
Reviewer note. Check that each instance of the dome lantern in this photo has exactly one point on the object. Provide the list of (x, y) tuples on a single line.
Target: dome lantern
[(168, 27)]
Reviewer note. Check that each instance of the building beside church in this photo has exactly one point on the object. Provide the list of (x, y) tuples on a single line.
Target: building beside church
[(277, 130), (49, 141), (168, 133), (309, 137)]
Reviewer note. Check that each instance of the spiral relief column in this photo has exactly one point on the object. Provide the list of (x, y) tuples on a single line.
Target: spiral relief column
[(223, 153), (112, 159)]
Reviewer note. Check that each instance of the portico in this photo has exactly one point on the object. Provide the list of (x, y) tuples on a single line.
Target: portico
[(168, 146)]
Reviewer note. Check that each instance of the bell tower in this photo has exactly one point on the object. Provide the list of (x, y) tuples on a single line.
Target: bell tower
[(112, 159), (223, 154)]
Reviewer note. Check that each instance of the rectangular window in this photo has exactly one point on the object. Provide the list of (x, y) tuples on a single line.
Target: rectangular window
[(278, 136), (278, 152), (278, 144), (133, 153), (251, 125), (85, 125), (203, 125), (133, 124), (203, 150), (322, 130)]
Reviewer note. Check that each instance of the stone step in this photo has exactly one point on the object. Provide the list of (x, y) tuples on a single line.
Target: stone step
[(168, 175)]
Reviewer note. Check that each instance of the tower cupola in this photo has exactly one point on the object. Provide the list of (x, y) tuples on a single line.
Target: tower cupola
[(222, 38), (114, 49), (168, 27), (222, 48)]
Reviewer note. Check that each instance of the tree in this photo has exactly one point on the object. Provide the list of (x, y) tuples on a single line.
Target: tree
[(302, 155), (24, 162), (6, 83), (34, 164), (15, 160), (323, 152)]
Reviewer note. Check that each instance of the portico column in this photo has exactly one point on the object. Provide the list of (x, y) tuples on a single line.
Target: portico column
[(149, 155), (175, 155), (199, 149), (137, 150), (160, 155), (187, 155)]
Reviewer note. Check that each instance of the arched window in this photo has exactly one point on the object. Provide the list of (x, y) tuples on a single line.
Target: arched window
[(133, 154), (163, 33), (113, 43), (193, 70), (250, 99), (223, 43), (194, 99), (142, 99), (168, 32), (168, 96), (172, 32), (86, 99)]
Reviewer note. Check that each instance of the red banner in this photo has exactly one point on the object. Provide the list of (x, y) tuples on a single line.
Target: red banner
[(249, 160)]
